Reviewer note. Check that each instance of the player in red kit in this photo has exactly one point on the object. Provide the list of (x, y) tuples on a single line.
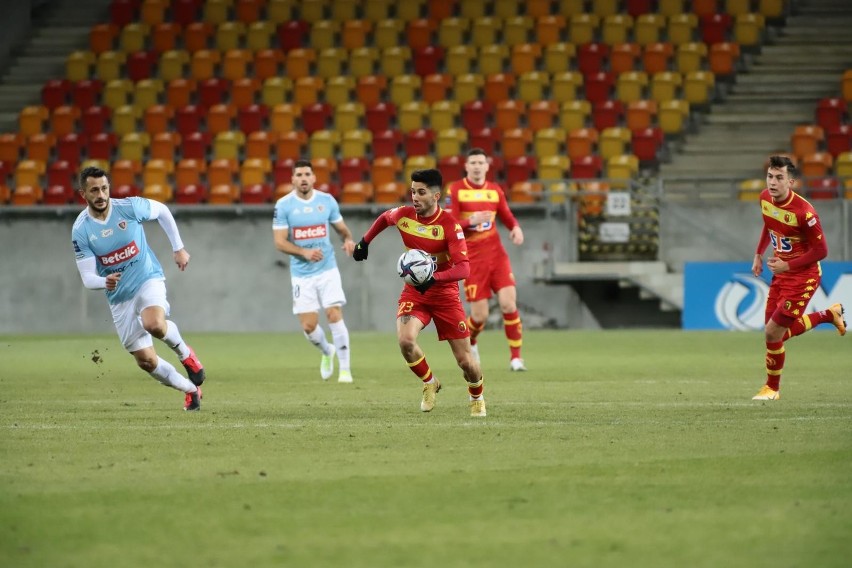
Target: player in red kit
[(477, 203), (424, 225), (791, 226)]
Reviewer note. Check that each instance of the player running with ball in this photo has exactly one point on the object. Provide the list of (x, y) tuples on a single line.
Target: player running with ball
[(424, 225)]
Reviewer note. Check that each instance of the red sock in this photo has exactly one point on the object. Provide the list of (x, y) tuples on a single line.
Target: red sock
[(514, 333), (475, 327), (421, 369), (808, 321), (475, 389), (774, 363)]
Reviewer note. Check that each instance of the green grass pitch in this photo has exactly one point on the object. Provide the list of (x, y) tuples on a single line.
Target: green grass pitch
[(622, 448)]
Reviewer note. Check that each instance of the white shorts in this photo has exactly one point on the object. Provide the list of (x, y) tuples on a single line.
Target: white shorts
[(312, 293), (127, 315)]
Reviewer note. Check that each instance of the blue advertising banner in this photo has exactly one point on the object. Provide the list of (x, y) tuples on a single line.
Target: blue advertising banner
[(725, 295)]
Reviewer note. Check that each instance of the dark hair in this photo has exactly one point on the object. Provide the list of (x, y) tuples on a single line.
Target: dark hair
[(476, 152), (432, 178), (303, 164), (90, 172), (781, 163)]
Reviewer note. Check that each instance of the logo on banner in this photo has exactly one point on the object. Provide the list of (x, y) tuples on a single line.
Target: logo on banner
[(741, 302)]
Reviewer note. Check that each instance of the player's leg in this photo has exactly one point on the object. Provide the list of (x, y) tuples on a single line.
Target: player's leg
[(477, 293), (306, 306), (451, 327), (512, 326), (833, 315), (154, 309), (331, 296), (472, 375), (408, 327), (139, 343), (777, 322), (340, 337)]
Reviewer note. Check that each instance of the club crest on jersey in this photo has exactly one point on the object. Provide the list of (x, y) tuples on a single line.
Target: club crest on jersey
[(462, 326), (122, 225), (106, 233), (434, 231), (320, 208)]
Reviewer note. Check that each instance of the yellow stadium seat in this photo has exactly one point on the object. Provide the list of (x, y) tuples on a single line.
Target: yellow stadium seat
[(565, 85), (451, 31), (216, 11), (625, 166), (616, 28), (647, 28), (280, 11), (444, 115), (698, 87), (665, 86), (691, 57), (259, 36), (134, 37), (355, 143), (516, 30), (681, 28), (348, 116), (673, 116), (631, 85), (324, 34), (748, 29), (338, 90), (404, 88), (343, 10), (531, 86), (492, 59), (173, 64), (613, 142), (387, 33), (574, 115), (558, 57), (468, 87), (78, 65), (116, 93), (449, 142), (459, 59), (330, 62), (412, 115), (110, 65), (124, 120), (549, 142), (393, 60), (275, 90), (582, 28), (362, 61), (484, 31)]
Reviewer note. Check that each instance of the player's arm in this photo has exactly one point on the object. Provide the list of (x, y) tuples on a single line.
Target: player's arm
[(460, 269), (509, 221), (816, 239), (762, 243), (382, 222), (164, 217), (285, 245), (345, 234), (87, 267)]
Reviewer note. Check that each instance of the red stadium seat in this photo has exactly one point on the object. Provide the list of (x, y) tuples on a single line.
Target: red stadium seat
[(212, 91), (252, 118), (101, 146), (476, 115), (55, 93), (351, 170), (715, 28), (831, 112), (140, 65), (838, 139), (386, 143), (184, 12), (61, 173), (86, 93), (123, 12), (520, 169), (590, 57), (292, 34), (598, 86), (485, 138), (316, 117), (428, 60), (379, 116), (188, 119), (645, 144), (69, 148), (419, 142), (607, 114), (195, 145), (95, 120), (452, 168), (586, 167)]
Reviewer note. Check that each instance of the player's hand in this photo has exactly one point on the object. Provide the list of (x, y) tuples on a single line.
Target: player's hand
[(312, 254), (777, 266), (362, 249), (112, 281), (181, 259), (425, 286), (348, 246), (517, 236), (757, 265)]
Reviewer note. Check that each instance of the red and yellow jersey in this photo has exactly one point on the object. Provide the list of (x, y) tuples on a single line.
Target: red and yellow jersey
[(793, 230), (463, 198), (440, 235)]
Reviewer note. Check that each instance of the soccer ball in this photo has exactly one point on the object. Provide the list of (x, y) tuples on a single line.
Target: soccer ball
[(415, 266)]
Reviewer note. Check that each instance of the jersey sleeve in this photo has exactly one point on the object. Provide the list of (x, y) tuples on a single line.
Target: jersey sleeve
[(334, 214), (279, 217), (80, 244), (817, 249), (141, 208), (382, 222), (504, 213)]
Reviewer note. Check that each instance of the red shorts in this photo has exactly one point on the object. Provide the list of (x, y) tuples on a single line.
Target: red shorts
[(489, 272), (440, 303), (789, 296)]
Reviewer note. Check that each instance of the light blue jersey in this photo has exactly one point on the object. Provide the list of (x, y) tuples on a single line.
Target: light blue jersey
[(308, 225), (118, 245)]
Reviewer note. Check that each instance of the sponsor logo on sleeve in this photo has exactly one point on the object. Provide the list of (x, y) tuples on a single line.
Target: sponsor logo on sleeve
[(312, 232), (812, 222), (119, 255), (76, 246)]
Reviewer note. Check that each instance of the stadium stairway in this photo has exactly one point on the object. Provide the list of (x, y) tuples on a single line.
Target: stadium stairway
[(778, 90), (62, 28)]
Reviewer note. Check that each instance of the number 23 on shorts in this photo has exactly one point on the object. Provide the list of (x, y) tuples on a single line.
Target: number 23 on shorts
[(404, 308)]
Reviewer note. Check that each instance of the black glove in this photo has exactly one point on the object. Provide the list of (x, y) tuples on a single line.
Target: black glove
[(362, 249), (425, 286)]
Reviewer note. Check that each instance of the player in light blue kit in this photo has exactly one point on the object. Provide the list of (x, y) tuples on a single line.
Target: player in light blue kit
[(113, 254), (300, 228)]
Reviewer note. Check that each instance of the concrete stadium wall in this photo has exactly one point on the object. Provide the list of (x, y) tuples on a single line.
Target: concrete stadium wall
[(237, 281)]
